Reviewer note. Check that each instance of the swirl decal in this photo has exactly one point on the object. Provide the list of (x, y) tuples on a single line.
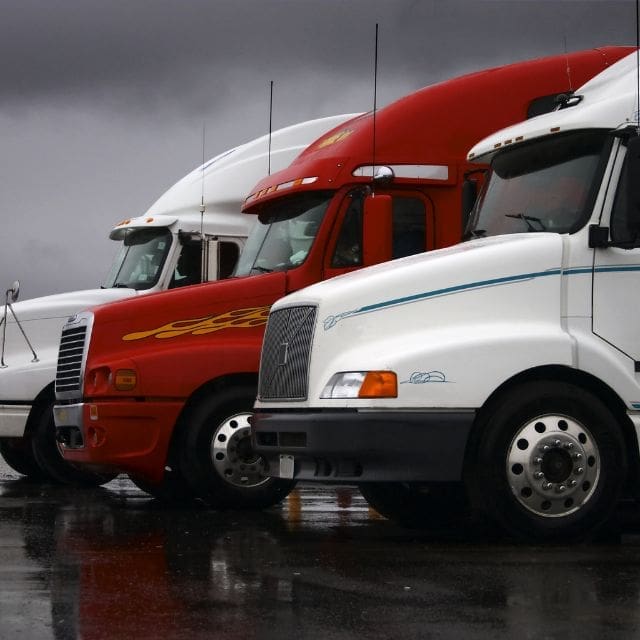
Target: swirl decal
[(425, 377), (236, 319)]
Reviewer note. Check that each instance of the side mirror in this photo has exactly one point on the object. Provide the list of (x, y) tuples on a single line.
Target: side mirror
[(13, 292), (598, 237), (377, 229), (210, 259)]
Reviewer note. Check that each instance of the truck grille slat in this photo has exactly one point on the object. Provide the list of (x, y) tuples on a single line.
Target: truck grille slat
[(70, 357), (285, 353)]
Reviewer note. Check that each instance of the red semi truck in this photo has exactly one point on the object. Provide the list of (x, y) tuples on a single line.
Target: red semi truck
[(162, 387)]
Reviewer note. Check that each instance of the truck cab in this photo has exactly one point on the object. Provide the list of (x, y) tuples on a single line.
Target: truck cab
[(162, 388), (499, 377), (193, 233)]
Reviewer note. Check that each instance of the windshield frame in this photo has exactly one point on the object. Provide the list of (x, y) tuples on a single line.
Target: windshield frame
[(494, 210), (265, 251), (124, 263)]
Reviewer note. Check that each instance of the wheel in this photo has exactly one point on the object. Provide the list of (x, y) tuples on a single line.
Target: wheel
[(422, 506), (217, 459), (46, 453), (17, 453), (549, 463)]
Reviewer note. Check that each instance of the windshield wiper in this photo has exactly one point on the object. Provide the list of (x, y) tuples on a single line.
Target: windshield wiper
[(527, 220), (476, 233), (261, 269), (120, 285)]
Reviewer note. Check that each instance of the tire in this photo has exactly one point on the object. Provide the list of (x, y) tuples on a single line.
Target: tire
[(46, 453), (17, 453), (435, 507), (217, 459), (174, 489), (549, 463)]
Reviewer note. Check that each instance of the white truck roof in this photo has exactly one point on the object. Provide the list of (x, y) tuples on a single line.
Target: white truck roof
[(225, 180), (608, 101)]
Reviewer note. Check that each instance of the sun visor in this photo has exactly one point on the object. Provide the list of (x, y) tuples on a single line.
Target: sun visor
[(118, 232), (314, 175)]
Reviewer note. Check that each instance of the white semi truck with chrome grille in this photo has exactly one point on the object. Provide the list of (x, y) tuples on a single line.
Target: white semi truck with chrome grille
[(193, 233), (499, 377)]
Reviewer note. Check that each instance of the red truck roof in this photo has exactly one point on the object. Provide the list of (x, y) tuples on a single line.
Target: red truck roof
[(454, 112)]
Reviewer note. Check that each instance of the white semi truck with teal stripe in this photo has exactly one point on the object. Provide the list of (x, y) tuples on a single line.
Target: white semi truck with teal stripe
[(499, 378)]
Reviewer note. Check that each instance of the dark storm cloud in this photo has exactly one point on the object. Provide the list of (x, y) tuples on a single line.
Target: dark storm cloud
[(194, 51), (102, 102)]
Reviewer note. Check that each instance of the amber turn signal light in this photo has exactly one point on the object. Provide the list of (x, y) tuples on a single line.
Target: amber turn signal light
[(125, 379), (379, 384)]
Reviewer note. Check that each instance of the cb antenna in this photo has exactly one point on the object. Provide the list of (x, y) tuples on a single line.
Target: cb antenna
[(270, 126), (375, 104), (202, 207), (203, 245), (566, 58)]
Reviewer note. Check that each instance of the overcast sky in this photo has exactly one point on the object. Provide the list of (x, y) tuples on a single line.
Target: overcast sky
[(102, 102)]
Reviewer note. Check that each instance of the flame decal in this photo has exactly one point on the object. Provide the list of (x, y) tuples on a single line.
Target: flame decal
[(236, 319), (335, 138)]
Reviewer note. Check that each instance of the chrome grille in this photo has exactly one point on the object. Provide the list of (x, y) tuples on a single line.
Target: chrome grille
[(73, 344), (285, 354)]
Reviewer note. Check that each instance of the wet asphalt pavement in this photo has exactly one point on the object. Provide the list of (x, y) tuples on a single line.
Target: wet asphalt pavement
[(112, 563)]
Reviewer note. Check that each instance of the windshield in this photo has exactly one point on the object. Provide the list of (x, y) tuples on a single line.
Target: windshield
[(283, 235), (139, 261), (549, 185)]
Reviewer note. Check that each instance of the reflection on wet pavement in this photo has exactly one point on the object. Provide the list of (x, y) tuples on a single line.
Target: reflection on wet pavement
[(113, 563)]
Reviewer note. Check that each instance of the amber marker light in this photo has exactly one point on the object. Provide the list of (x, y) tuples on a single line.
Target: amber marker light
[(125, 379), (379, 384)]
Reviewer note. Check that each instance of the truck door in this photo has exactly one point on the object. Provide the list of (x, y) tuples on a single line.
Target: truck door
[(616, 276), (412, 222)]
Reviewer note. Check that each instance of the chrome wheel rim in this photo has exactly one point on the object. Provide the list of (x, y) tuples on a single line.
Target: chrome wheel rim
[(553, 465), (232, 456)]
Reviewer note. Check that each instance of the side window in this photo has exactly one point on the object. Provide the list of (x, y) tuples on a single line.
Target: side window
[(624, 224), (227, 258), (409, 226), (348, 251), (409, 230), (189, 267)]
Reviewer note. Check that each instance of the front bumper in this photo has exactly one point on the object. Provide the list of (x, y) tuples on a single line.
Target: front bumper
[(352, 446), (121, 437)]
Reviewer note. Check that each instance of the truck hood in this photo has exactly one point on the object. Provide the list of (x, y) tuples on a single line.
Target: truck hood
[(186, 319), (436, 317), (429, 278), (62, 305)]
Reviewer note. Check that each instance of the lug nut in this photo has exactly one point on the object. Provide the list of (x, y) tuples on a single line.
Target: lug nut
[(572, 483), (546, 486), (579, 470), (537, 461), (577, 456), (538, 475), (560, 488), (557, 443), (568, 445), (546, 447)]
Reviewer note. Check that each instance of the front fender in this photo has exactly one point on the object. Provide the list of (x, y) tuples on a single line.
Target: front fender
[(177, 372), (451, 369), (23, 380)]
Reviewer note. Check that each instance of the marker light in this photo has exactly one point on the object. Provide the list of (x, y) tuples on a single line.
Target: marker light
[(361, 384), (379, 384), (125, 379)]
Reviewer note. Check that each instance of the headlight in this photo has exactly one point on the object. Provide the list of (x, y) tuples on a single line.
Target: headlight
[(361, 384)]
